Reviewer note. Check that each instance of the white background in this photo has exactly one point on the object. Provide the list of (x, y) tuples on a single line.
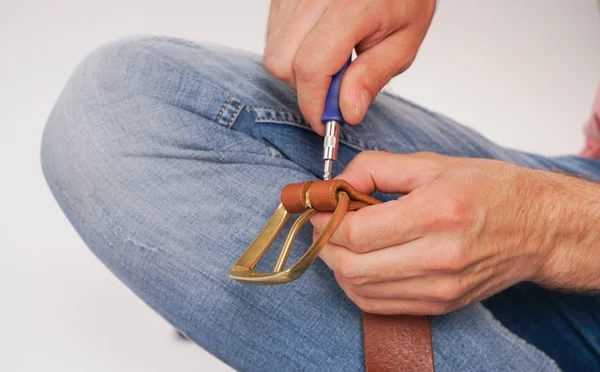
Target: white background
[(522, 72)]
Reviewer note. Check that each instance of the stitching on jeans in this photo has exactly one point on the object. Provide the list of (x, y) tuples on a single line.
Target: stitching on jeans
[(229, 111), (269, 120), (273, 108), (300, 121), (235, 114), (223, 108), (353, 144), (348, 138)]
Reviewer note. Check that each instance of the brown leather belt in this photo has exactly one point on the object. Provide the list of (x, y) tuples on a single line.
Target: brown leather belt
[(392, 342)]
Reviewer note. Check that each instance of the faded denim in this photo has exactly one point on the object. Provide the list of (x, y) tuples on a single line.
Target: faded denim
[(168, 157)]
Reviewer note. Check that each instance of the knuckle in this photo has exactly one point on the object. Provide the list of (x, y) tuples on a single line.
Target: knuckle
[(360, 158), (453, 213), (356, 289), (303, 68), (367, 305), (405, 63), (374, 76), (353, 283), (363, 159), (373, 290), (357, 240), (455, 259), (440, 308), (277, 65), (348, 271), (430, 160), (448, 290)]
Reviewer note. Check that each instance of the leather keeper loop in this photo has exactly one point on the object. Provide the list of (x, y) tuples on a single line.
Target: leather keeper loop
[(293, 196), (323, 196)]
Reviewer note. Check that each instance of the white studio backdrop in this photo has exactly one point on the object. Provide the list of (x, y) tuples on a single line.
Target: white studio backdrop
[(523, 73)]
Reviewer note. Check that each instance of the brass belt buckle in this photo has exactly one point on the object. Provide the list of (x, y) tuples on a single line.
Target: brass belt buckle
[(243, 270)]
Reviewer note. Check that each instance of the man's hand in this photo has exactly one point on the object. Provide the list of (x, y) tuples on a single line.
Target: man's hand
[(309, 41), (467, 229)]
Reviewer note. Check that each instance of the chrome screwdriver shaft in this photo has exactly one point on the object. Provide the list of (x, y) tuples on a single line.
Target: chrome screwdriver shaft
[(330, 147)]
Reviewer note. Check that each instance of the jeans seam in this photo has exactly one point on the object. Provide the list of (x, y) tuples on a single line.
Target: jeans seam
[(235, 115), (223, 108), (232, 107), (349, 139), (271, 108), (296, 118), (229, 112), (269, 120)]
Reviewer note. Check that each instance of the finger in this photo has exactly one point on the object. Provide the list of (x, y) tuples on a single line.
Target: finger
[(379, 226), (397, 306), (380, 58), (287, 29), (273, 11), (431, 287), (332, 255), (372, 70), (280, 14), (441, 288), (396, 263), (394, 222), (416, 258), (392, 173), (323, 53)]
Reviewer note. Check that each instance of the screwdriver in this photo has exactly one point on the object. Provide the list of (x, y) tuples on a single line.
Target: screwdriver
[(333, 119)]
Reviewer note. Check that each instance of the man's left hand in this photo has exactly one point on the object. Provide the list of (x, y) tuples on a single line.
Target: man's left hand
[(466, 229)]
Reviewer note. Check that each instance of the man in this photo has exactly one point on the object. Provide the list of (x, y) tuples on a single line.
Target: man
[(168, 157)]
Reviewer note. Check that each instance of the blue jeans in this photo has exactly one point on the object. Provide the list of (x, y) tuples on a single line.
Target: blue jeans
[(168, 158)]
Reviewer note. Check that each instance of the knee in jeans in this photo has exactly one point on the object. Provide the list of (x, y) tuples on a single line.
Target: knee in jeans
[(89, 129), (107, 109), (81, 112), (94, 119)]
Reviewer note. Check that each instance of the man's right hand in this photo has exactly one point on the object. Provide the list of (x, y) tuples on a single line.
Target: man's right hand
[(309, 41)]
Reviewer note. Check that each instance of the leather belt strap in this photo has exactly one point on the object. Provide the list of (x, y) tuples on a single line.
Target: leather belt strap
[(392, 342)]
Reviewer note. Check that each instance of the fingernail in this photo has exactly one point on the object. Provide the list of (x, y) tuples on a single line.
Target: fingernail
[(363, 101)]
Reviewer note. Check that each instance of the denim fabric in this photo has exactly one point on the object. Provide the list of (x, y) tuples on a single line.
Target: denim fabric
[(565, 325), (168, 157)]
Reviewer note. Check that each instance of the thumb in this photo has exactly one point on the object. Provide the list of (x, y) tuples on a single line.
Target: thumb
[(392, 173), (371, 71)]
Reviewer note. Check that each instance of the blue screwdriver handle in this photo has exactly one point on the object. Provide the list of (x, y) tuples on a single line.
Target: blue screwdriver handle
[(332, 102)]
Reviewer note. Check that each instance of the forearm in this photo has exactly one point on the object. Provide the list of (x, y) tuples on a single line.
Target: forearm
[(569, 232)]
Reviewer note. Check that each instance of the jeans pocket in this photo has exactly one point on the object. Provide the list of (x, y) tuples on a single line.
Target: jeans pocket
[(276, 115)]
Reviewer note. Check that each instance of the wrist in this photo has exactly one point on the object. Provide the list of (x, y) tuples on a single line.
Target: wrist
[(566, 214)]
